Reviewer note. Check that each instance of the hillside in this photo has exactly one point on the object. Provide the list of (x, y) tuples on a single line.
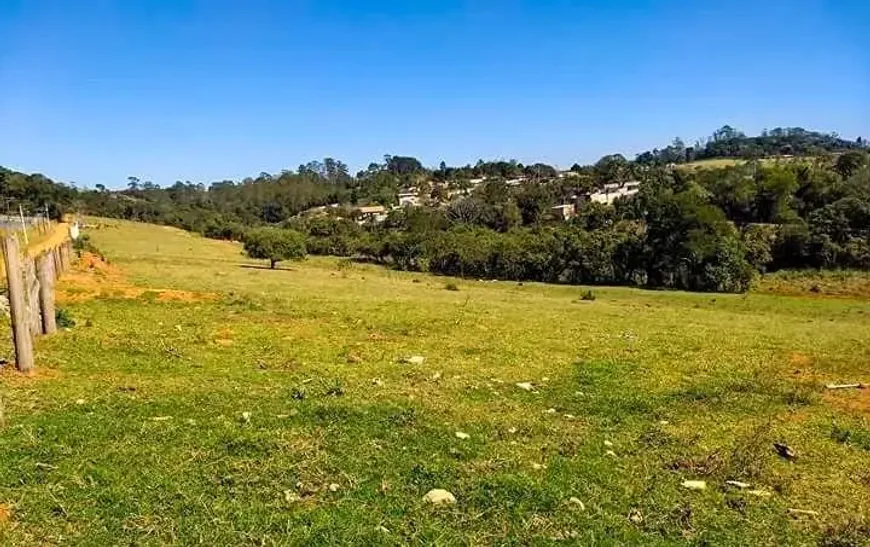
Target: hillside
[(202, 398)]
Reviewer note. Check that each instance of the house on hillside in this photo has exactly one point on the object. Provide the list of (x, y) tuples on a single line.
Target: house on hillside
[(371, 213), (565, 211), (409, 198), (611, 192)]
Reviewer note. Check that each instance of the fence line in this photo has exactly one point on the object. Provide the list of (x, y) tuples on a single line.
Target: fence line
[(30, 279)]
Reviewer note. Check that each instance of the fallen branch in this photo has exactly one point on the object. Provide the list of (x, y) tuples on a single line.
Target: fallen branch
[(845, 386)]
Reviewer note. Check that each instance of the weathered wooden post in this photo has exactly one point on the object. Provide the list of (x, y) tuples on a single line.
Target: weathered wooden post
[(17, 307), (46, 292), (55, 257), (64, 257), (31, 293)]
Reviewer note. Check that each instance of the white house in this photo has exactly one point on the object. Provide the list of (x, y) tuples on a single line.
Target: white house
[(409, 197), (611, 192), (566, 211), (374, 213)]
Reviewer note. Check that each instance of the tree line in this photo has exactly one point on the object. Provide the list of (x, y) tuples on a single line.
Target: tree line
[(707, 229)]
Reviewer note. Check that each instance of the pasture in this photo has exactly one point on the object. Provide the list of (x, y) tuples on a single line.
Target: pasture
[(201, 398)]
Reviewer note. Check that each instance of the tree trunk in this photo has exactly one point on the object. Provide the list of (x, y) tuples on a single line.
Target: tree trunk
[(272, 263)]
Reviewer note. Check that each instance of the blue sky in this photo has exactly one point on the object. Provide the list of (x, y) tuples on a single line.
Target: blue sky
[(92, 91)]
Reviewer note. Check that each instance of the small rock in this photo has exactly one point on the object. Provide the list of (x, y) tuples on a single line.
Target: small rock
[(80, 401), (551, 411), (463, 436), (610, 453), (161, 418), (438, 496), (664, 422), (738, 484), (436, 376), (526, 386), (415, 360), (377, 382), (290, 496), (538, 466), (577, 502), (334, 487), (512, 430), (353, 358), (579, 393), (695, 485), (382, 529), (569, 416), (635, 516), (190, 421), (545, 379), (608, 443), (246, 416)]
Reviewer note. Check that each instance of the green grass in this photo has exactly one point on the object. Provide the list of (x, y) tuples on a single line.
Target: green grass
[(134, 432)]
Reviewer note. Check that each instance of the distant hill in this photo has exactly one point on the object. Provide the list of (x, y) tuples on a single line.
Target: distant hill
[(728, 142)]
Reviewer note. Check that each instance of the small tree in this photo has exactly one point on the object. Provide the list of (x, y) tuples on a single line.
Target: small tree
[(274, 244)]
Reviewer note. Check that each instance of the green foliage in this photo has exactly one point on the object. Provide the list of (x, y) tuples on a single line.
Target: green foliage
[(63, 318), (274, 244), (587, 296)]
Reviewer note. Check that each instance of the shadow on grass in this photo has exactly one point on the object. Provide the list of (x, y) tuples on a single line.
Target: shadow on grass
[(266, 267)]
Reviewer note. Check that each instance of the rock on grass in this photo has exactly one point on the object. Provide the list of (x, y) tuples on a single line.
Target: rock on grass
[(437, 496)]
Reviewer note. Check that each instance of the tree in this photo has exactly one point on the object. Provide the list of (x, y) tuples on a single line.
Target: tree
[(849, 162), (274, 244)]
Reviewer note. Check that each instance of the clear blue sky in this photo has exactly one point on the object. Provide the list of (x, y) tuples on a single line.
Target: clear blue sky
[(92, 91)]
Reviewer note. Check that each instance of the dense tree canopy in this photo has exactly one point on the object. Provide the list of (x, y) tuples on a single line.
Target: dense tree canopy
[(806, 205)]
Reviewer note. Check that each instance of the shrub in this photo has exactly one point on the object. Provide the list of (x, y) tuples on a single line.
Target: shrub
[(451, 286), (63, 319), (588, 296), (274, 244)]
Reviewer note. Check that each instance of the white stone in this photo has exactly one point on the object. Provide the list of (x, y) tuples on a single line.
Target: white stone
[(246, 416), (608, 443), (437, 496), (527, 386), (334, 487), (512, 430), (415, 360), (80, 401), (611, 453), (738, 484), (551, 411), (463, 436), (695, 485), (538, 466)]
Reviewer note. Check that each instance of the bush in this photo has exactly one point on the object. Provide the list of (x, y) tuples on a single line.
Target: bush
[(451, 286), (274, 245), (63, 319), (588, 296)]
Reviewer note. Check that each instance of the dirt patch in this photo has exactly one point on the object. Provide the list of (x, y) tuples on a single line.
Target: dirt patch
[(5, 513), (799, 360), (10, 376), (92, 277), (852, 401), (172, 295)]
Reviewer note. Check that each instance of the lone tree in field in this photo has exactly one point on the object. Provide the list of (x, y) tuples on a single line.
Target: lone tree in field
[(274, 244)]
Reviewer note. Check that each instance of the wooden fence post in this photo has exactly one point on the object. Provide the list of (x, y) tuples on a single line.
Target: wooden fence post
[(46, 292), (31, 292), (17, 308), (55, 257)]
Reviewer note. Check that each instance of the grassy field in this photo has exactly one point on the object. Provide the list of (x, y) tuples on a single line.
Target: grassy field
[(201, 399)]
